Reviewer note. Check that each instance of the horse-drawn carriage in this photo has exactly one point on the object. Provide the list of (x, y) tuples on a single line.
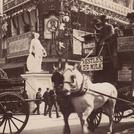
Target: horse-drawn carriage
[(14, 110)]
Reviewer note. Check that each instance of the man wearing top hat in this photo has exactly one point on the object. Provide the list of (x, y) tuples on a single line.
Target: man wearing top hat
[(106, 30)]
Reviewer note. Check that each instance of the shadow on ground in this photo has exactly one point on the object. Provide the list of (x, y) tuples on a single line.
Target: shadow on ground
[(121, 128)]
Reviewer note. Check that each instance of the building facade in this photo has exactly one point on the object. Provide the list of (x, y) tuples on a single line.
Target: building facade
[(62, 25)]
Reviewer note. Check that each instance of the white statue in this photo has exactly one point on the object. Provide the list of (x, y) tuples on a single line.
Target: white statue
[(36, 54)]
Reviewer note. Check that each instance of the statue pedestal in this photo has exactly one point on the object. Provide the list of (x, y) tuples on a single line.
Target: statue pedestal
[(33, 81)]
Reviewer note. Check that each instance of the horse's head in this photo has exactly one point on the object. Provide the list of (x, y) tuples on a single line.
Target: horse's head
[(72, 77)]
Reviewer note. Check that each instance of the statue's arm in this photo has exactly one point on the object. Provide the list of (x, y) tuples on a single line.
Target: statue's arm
[(31, 47)]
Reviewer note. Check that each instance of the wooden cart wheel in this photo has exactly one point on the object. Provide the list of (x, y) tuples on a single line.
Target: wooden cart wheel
[(94, 119), (14, 113), (118, 116)]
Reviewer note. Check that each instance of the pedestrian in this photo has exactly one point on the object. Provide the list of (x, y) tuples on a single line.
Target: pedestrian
[(52, 102), (38, 102), (46, 101)]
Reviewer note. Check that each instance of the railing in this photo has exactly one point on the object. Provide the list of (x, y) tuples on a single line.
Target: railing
[(109, 5)]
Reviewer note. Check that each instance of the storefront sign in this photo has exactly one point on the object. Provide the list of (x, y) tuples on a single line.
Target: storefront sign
[(125, 74), (92, 64), (18, 46), (125, 44)]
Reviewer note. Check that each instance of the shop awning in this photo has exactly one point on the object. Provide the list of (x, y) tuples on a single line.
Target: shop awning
[(13, 65)]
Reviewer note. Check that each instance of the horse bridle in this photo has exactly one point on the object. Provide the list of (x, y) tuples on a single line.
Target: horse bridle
[(70, 83)]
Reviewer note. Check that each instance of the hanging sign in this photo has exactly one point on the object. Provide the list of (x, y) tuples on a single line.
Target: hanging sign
[(92, 64)]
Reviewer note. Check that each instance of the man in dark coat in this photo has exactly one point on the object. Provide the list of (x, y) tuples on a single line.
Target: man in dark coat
[(52, 101), (38, 102), (57, 81), (57, 78), (46, 101)]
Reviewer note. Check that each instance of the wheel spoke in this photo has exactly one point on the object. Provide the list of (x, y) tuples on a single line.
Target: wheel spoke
[(1, 118), (14, 124), (18, 119), (10, 126), (2, 121), (4, 126), (14, 107)]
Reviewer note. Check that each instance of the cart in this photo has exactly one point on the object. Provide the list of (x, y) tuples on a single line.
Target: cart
[(14, 110), (123, 106), (125, 102)]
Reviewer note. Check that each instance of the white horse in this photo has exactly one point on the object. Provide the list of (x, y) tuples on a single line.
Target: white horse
[(83, 105)]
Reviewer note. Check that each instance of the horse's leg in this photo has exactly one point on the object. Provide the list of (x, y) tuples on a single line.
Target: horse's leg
[(110, 112), (84, 120), (66, 126), (80, 115)]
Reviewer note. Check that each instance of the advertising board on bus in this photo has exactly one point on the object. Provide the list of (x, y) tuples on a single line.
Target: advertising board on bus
[(125, 44)]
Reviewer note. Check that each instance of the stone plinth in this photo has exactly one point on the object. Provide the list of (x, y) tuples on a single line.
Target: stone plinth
[(35, 81)]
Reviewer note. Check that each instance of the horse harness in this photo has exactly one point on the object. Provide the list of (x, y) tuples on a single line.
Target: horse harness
[(76, 93)]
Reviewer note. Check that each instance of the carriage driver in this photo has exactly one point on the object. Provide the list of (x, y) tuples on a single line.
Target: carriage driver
[(57, 77)]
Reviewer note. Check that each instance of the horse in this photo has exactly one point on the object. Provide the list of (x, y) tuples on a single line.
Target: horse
[(88, 101)]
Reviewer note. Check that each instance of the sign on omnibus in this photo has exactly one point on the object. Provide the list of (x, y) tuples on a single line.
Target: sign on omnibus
[(125, 44), (92, 63)]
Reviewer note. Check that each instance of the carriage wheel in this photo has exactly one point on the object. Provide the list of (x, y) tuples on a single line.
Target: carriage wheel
[(14, 113), (118, 116), (94, 119)]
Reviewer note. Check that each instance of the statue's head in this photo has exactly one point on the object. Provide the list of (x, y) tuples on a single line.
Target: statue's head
[(36, 35)]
